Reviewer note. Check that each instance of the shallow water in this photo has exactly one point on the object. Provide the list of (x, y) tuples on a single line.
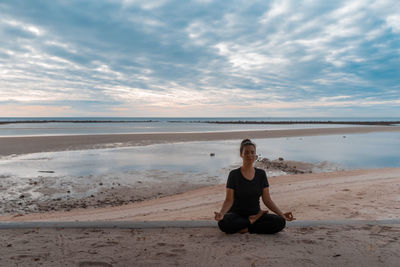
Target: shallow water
[(50, 175), (351, 151), (374, 150), (184, 157)]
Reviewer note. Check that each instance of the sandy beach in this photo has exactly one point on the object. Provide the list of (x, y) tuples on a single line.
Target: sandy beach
[(357, 194), (351, 195), (32, 144), (302, 246)]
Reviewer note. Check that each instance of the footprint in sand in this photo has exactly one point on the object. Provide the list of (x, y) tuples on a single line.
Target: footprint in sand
[(208, 256), (366, 227), (304, 230), (354, 214), (360, 195), (162, 244), (94, 264), (166, 254), (105, 244), (308, 241), (178, 250)]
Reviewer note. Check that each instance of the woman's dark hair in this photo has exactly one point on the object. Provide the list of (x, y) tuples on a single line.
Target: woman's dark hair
[(246, 142)]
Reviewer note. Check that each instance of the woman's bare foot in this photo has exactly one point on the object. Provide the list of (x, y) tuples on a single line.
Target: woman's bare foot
[(243, 231), (254, 218)]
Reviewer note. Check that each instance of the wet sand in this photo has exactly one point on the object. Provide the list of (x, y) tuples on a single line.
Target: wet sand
[(32, 144), (357, 194), (42, 193)]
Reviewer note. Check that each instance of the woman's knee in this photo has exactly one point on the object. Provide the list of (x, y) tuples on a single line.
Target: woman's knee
[(225, 227), (231, 223), (280, 223)]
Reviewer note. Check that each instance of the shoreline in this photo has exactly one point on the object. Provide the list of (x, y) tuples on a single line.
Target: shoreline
[(378, 122), (387, 123), (356, 194), (33, 144), (40, 195)]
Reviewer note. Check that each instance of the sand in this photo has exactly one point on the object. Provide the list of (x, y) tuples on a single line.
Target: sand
[(32, 144), (352, 195), (298, 246)]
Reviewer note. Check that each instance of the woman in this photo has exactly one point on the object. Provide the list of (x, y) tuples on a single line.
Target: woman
[(241, 211)]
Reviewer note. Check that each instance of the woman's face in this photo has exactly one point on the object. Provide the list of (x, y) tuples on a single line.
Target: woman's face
[(249, 154)]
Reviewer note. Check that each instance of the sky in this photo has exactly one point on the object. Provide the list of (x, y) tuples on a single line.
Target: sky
[(201, 58)]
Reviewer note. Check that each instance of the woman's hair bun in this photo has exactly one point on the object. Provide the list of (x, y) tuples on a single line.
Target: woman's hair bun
[(246, 142)]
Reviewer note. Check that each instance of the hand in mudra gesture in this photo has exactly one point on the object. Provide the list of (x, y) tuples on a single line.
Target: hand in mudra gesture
[(288, 216), (218, 216)]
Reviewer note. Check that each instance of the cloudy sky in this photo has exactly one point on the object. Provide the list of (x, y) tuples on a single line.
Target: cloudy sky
[(199, 58)]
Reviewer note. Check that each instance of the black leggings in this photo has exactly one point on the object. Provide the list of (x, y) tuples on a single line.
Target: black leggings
[(266, 224)]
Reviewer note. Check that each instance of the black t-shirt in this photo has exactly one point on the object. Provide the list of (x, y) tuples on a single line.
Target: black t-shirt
[(247, 193)]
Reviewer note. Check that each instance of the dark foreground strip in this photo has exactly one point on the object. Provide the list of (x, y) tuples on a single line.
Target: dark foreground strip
[(177, 224)]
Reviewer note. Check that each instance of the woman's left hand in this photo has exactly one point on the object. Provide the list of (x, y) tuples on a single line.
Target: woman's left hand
[(218, 216), (288, 216)]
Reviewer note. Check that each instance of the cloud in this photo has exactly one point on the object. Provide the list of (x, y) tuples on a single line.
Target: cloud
[(144, 4), (393, 22), (39, 110), (232, 57)]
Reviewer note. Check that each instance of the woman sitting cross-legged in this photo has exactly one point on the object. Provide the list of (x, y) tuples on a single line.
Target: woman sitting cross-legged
[(241, 211)]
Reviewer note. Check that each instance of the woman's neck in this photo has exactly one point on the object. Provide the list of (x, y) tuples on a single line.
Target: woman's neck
[(247, 167)]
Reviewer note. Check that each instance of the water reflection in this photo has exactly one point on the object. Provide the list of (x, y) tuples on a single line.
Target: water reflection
[(373, 150), (183, 157), (353, 151)]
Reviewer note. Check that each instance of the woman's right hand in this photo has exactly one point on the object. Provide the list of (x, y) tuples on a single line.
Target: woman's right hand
[(218, 216), (288, 216)]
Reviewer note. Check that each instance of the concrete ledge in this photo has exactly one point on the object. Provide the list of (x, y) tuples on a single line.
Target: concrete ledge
[(178, 224), (342, 222)]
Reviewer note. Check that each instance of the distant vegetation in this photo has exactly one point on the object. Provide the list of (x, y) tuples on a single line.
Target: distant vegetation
[(387, 123), (71, 121)]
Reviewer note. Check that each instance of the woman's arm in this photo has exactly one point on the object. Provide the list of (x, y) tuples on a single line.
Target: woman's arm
[(266, 197), (228, 202)]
